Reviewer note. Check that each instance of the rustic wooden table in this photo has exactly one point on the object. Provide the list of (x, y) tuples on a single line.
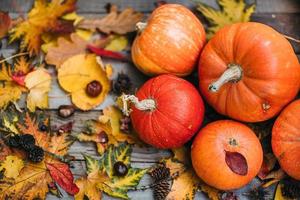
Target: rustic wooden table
[(283, 15)]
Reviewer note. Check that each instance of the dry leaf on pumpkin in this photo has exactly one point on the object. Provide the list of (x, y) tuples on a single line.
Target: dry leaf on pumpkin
[(76, 73), (38, 83), (33, 180), (65, 49), (114, 22), (107, 128), (42, 18), (231, 12), (12, 166)]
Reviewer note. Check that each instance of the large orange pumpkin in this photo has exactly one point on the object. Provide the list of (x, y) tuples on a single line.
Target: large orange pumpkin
[(170, 42), (285, 139), (249, 72), (226, 154), (166, 111)]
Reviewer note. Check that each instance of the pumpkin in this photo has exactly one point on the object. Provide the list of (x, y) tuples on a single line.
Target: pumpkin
[(285, 139), (249, 72), (166, 111), (226, 154), (170, 42)]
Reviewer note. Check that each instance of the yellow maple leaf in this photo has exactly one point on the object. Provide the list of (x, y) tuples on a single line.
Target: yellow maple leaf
[(10, 91), (108, 124), (22, 66), (41, 19), (12, 166), (38, 82), (76, 73), (231, 12)]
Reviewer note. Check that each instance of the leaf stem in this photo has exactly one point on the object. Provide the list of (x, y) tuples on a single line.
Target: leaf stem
[(13, 56)]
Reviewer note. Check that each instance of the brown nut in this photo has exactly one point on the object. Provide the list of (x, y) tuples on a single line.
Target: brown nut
[(66, 111), (93, 89)]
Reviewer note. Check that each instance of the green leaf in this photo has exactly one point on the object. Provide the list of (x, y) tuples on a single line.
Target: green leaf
[(232, 11), (92, 164)]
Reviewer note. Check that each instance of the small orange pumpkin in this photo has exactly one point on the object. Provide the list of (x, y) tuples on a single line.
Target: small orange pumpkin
[(226, 154), (170, 42), (249, 72), (285, 139)]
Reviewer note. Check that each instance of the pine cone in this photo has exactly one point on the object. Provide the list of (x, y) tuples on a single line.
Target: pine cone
[(36, 154), (27, 142), (259, 194), (13, 141), (161, 190), (291, 189), (160, 173), (229, 196), (122, 84)]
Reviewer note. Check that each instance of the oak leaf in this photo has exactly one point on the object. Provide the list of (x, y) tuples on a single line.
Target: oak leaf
[(65, 49), (231, 12), (77, 72), (38, 83), (42, 18), (12, 166), (114, 22), (108, 124)]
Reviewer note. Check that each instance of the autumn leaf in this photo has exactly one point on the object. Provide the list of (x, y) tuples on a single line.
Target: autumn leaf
[(40, 21), (114, 22), (33, 180), (88, 184), (231, 12), (38, 83), (118, 43), (5, 22), (77, 72), (4, 150), (65, 49), (10, 91), (12, 166), (108, 126)]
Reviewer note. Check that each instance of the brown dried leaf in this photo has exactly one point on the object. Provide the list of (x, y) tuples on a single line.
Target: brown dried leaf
[(114, 22), (65, 49), (5, 22), (268, 164), (237, 163)]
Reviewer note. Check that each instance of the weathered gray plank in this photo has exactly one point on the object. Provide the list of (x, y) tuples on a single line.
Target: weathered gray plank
[(97, 6)]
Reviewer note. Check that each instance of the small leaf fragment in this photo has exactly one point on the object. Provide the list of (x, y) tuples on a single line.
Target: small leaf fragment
[(236, 162), (12, 166), (5, 22)]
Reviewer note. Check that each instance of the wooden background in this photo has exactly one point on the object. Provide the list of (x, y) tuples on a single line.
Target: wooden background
[(283, 15)]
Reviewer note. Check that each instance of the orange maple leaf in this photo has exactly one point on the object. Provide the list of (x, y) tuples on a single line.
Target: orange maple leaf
[(43, 18)]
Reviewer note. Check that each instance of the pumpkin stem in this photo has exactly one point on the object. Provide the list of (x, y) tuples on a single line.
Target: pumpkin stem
[(232, 74), (144, 105), (140, 26)]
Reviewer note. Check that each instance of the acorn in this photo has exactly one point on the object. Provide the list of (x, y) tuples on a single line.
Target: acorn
[(93, 89), (120, 169), (66, 111)]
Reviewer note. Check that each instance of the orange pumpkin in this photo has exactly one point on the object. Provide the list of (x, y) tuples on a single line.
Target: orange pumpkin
[(285, 139), (249, 72), (170, 42), (226, 154)]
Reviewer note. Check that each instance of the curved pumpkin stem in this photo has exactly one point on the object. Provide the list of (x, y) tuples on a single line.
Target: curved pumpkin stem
[(232, 74), (140, 26), (144, 105)]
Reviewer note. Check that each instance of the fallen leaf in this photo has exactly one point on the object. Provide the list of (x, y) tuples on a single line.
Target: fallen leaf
[(76, 73), (278, 193), (114, 22), (40, 21), (107, 53), (62, 175), (5, 22), (108, 126), (4, 150), (269, 162), (274, 177), (236, 162), (231, 12), (65, 49), (73, 16), (118, 43), (38, 83), (34, 179), (12, 166)]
